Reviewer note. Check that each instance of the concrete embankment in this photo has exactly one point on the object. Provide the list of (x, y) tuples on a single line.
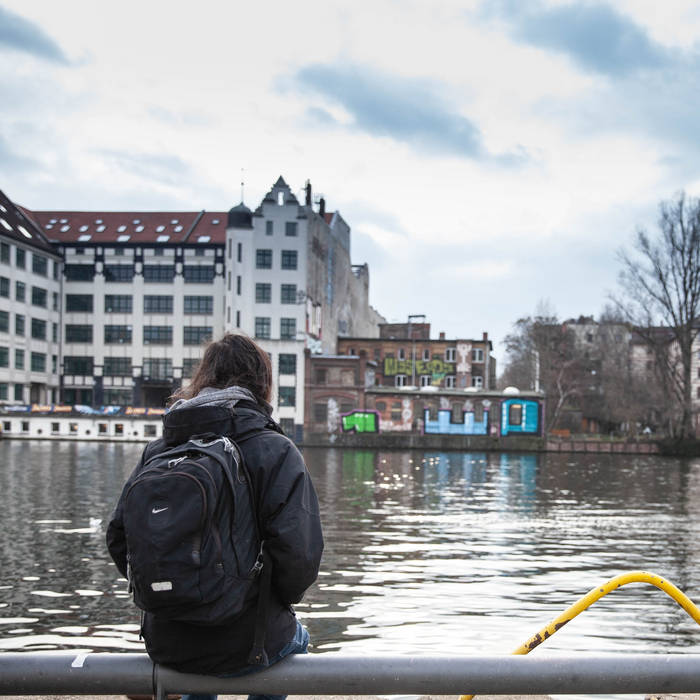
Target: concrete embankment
[(688, 696)]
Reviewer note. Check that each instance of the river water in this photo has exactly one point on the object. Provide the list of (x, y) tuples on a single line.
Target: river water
[(426, 552)]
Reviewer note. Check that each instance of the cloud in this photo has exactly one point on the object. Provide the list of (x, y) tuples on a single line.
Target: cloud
[(163, 168), (19, 34), (408, 110), (594, 35), (11, 161)]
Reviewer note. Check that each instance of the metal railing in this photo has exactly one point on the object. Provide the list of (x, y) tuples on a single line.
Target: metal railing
[(68, 673)]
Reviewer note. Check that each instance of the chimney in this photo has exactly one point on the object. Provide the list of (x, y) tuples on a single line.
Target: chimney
[(322, 207), (308, 193), (486, 337), (442, 335)]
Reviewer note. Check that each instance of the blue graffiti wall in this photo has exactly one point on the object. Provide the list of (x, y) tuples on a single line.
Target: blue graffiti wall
[(520, 416), (444, 425)]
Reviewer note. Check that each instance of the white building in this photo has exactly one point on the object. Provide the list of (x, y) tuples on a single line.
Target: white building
[(30, 298), (140, 292)]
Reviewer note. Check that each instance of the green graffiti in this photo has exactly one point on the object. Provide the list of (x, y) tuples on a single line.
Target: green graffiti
[(361, 422), (436, 367)]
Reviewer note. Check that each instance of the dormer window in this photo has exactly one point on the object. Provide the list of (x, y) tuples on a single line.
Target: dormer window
[(280, 198)]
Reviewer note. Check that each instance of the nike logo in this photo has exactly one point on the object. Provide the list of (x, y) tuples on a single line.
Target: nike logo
[(159, 510)]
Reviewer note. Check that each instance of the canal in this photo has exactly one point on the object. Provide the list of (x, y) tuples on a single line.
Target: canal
[(426, 552)]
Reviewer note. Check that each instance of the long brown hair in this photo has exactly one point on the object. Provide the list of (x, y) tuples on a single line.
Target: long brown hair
[(234, 360)]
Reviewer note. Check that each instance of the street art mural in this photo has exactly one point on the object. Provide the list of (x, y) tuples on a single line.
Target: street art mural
[(333, 417), (437, 368), (360, 422), (464, 352), (443, 425), (520, 416)]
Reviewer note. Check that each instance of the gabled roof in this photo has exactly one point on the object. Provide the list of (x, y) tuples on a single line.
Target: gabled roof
[(74, 227), (17, 223)]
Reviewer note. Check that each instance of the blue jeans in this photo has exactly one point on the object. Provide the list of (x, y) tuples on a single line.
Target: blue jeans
[(298, 645)]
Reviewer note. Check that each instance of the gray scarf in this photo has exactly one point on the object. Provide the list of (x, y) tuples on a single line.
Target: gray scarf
[(218, 397)]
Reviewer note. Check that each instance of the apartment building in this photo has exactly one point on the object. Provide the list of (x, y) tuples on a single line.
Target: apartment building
[(30, 298), (131, 297)]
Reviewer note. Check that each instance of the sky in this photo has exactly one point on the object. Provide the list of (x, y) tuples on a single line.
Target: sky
[(488, 155)]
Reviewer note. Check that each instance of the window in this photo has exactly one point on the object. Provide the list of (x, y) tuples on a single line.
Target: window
[(320, 412), (117, 397), (450, 381), (78, 333), (118, 334), (119, 273), (262, 326), (426, 380), (401, 354), (38, 329), (4, 356), (477, 355), (19, 358), (321, 375), (238, 285), (457, 413), (198, 274), (19, 392), (5, 321), (263, 259), (37, 362), (5, 253), (287, 363), (19, 324), (79, 273), (400, 380), (54, 305), (263, 293), (450, 354), (77, 365), (39, 296), (150, 430), (288, 328), (478, 382), (515, 414), (188, 366), (117, 367), (20, 291), (396, 411), (5, 287), (288, 396), (288, 294), (55, 269), (54, 332), (239, 252), (79, 302), (290, 228), (157, 368), (158, 273), (157, 304), (20, 258), (196, 335), (3, 391), (40, 265), (118, 304), (426, 354), (157, 335), (199, 304), (269, 227), (289, 259)]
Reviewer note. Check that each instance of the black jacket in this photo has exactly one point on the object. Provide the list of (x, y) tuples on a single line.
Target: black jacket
[(291, 527)]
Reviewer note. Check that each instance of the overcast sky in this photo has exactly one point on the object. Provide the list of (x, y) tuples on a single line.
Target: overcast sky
[(487, 155)]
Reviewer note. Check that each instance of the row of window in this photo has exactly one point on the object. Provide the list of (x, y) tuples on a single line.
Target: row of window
[(152, 303), (40, 263), (38, 326), (152, 335), (424, 354), (37, 360), (288, 260), (263, 293), (263, 328), (193, 274), (40, 296), (5, 392)]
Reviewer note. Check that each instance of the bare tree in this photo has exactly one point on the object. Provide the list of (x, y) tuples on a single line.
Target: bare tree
[(660, 283)]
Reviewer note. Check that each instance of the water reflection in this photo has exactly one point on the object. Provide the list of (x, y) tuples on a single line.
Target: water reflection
[(426, 552)]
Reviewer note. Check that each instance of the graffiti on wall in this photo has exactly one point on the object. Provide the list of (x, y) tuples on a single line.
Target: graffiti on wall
[(464, 351), (436, 368), (361, 422), (333, 416), (443, 425), (520, 416)]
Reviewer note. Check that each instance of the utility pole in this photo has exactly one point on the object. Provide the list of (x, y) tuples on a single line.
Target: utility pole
[(413, 345)]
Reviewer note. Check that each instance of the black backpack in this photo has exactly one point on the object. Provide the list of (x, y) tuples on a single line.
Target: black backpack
[(194, 552)]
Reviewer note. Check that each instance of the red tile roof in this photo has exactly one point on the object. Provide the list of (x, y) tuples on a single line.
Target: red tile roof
[(140, 227)]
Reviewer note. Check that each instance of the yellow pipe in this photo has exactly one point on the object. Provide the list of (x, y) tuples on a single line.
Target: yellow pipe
[(598, 592)]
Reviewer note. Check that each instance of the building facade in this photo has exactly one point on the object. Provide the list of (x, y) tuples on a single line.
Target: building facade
[(125, 301)]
